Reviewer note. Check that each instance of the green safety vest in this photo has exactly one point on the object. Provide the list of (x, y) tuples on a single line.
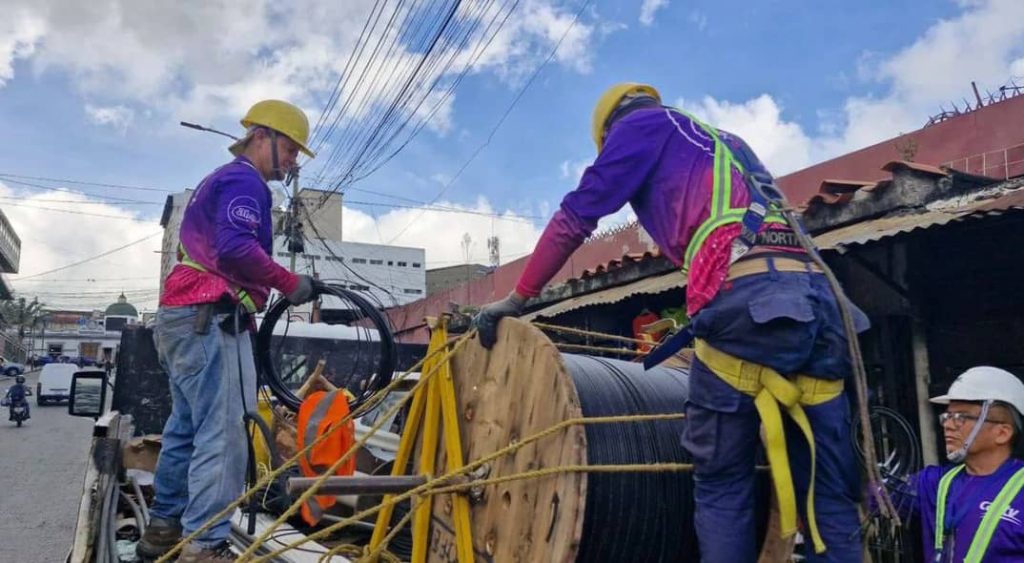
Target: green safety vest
[(242, 295), (987, 528), (722, 212)]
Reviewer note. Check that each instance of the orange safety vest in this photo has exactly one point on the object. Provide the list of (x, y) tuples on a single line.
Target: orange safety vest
[(318, 413)]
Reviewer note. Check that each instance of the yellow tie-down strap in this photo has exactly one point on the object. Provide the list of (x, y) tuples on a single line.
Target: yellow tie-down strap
[(769, 389)]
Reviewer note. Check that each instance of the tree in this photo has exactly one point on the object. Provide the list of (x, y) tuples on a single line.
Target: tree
[(21, 313)]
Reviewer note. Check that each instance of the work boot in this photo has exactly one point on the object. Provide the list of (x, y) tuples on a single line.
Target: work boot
[(160, 536), (194, 554)]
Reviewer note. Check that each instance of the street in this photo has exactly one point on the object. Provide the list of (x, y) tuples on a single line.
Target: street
[(42, 466)]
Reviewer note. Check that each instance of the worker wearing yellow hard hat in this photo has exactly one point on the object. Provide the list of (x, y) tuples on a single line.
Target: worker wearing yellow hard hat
[(768, 333), (223, 278), (276, 117)]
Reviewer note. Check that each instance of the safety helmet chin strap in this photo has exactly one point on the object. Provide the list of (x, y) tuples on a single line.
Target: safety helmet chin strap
[(960, 454), (279, 173)]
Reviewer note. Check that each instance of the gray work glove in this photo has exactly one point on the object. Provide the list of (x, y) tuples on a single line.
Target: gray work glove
[(303, 292), (486, 321)]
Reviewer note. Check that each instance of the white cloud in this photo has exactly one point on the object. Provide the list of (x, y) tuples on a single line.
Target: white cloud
[(441, 232), (20, 31), (649, 8), (699, 19), (205, 61), (983, 44), (119, 117), (56, 233)]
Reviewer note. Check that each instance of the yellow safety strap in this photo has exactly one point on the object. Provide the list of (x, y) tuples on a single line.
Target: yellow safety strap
[(770, 389), (243, 296)]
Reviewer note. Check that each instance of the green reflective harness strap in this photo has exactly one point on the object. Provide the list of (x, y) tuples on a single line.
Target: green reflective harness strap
[(242, 295), (721, 212), (940, 508), (995, 511)]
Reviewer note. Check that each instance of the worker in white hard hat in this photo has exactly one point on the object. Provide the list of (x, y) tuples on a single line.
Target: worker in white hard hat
[(972, 509)]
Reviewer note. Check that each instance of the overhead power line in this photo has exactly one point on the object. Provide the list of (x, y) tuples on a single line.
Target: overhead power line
[(74, 212), (5, 175), (89, 259), (503, 117)]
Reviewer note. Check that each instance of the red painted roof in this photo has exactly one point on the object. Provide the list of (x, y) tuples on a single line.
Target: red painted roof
[(987, 142), (600, 253)]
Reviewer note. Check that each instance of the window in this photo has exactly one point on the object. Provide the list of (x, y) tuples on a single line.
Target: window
[(417, 265), (333, 259), (358, 287), (359, 260), (413, 291), (283, 255), (390, 263), (403, 264), (376, 262)]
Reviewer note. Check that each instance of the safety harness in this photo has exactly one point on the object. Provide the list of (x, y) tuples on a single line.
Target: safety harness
[(769, 388), (763, 192), (987, 528), (240, 294)]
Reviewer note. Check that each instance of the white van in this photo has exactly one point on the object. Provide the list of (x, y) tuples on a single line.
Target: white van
[(55, 383)]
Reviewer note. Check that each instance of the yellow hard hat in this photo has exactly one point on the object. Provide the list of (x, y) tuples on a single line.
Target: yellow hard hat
[(282, 117), (608, 101)]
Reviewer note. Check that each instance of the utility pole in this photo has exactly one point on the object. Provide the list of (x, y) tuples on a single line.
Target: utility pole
[(294, 237)]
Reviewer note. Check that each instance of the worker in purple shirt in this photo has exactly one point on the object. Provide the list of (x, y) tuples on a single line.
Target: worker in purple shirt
[(973, 510), (224, 276), (761, 312)]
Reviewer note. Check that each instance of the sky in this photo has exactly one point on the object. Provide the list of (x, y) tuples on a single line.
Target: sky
[(91, 94)]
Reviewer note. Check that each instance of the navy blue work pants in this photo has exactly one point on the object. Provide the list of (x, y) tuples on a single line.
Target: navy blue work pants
[(789, 322)]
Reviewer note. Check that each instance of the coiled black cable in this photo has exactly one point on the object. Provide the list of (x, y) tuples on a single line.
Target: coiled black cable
[(638, 517), (387, 350)]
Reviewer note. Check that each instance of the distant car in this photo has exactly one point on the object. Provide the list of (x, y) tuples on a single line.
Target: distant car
[(54, 383), (11, 369)]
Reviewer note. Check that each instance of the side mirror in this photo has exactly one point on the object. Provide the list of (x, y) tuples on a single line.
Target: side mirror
[(88, 394)]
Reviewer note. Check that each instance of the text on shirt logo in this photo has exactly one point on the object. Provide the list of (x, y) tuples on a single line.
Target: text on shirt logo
[(1010, 514), (243, 212)]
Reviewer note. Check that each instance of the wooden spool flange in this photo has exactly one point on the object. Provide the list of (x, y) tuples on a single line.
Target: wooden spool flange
[(519, 388)]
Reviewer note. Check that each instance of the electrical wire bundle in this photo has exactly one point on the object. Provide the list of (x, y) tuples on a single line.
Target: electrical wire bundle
[(362, 365), (634, 516), (406, 64)]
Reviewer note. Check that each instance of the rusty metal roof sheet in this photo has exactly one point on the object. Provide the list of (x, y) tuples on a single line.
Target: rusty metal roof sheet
[(1011, 196), (673, 280)]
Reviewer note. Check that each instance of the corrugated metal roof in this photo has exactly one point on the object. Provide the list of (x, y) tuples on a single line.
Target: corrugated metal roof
[(939, 214), (648, 286)]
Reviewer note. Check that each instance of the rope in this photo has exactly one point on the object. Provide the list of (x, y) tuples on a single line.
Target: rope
[(385, 418), (441, 481), (363, 554), (581, 332), (266, 480), (603, 349)]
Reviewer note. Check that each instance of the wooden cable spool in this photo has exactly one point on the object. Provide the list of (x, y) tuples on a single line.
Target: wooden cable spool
[(519, 388)]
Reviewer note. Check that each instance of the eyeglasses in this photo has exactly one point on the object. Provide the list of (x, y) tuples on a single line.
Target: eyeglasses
[(959, 418)]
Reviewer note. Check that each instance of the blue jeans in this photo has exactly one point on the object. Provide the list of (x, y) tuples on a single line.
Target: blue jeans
[(789, 322), (202, 462)]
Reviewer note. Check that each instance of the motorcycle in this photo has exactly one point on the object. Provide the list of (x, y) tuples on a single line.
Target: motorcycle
[(18, 409)]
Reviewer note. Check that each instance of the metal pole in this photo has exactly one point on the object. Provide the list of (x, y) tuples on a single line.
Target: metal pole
[(369, 485)]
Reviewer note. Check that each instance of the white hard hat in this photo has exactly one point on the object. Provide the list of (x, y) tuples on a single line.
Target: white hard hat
[(985, 383)]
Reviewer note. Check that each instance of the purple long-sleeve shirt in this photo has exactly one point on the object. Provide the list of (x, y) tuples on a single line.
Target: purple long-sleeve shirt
[(661, 163), (969, 495), (227, 228)]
